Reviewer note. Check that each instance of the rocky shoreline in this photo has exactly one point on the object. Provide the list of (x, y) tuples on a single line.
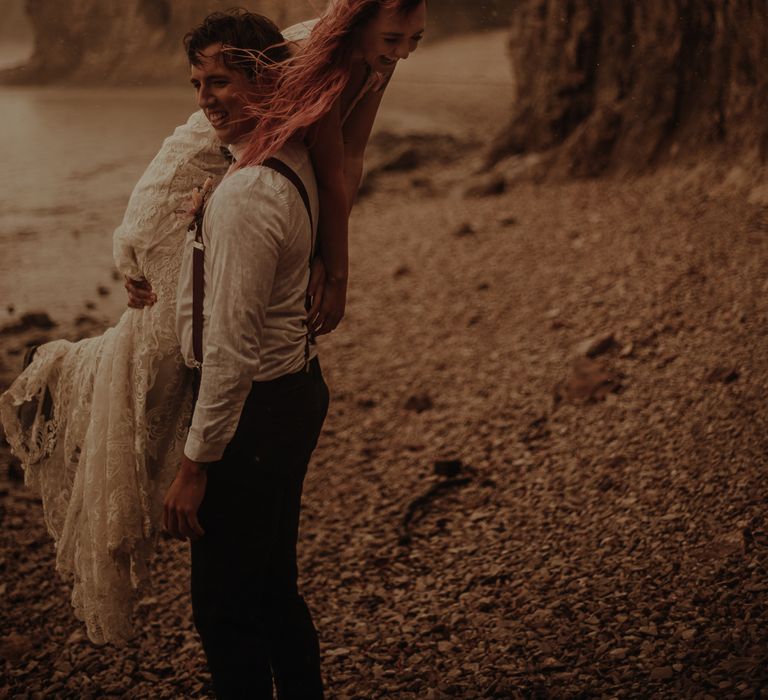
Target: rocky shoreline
[(543, 471)]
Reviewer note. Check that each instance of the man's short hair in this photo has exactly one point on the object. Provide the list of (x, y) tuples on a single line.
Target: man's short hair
[(256, 40)]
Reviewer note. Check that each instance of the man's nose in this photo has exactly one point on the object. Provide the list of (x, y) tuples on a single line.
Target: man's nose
[(204, 97), (402, 51)]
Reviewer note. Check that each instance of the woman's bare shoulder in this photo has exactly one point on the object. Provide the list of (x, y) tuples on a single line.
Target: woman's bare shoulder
[(297, 34)]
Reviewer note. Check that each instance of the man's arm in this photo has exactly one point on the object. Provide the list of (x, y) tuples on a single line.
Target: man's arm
[(246, 224)]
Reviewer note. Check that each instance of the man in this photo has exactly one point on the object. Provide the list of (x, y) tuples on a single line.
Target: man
[(261, 401)]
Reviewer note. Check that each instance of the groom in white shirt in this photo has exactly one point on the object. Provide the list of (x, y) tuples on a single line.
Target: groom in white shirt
[(262, 399)]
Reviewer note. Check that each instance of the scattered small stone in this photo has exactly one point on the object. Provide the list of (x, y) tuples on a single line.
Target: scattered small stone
[(28, 321), (722, 375), (465, 229), (404, 159), (489, 185), (85, 319), (90, 305), (508, 220), (116, 276), (419, 403), (14, 647), (402, 271), (448, 467), (662, 673), (590, 381), (102, 291), (598, 345)]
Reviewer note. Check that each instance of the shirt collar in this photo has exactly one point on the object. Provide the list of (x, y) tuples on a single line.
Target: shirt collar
[(237, 149)]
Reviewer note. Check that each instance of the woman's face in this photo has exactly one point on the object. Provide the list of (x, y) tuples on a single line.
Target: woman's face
[(391, 36)]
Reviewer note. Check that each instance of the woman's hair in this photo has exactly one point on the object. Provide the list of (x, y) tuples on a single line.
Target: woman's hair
[(311, 81), (251, 41)]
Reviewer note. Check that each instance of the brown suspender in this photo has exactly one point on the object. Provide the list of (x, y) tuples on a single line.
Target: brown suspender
[(198, 260)]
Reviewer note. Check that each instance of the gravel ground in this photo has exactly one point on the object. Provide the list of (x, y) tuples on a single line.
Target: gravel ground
[(543, 470)]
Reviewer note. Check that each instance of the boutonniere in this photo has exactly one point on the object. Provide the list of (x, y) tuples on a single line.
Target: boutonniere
[(196, 207)]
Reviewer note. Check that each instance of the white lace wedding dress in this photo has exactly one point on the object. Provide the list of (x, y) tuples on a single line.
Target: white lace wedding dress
[(99, 425)]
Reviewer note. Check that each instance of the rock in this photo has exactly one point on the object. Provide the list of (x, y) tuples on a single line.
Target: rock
[(28, 321), (402, 271), (508, 220), (590, 381), (448, 467), (597, 345), (722, 375), (85, 319), (14, 647), (419, 403), (759, 195), (662, 673), (465, 229), (489, 185), (102, 291), (404, 159)]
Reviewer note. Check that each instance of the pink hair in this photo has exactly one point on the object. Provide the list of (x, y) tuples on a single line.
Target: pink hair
[(313, 80)]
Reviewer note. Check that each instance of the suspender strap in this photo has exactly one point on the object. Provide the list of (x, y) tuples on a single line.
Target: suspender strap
[(198, 288), (288, 173), (198, 260)]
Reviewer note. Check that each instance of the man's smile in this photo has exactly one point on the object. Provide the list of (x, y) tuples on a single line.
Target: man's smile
[(217, 117)]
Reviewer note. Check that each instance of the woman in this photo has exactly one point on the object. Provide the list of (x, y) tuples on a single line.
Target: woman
[(99, 424)]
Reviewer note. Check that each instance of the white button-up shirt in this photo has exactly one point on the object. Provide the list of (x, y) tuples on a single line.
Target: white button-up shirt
[(258, 246)]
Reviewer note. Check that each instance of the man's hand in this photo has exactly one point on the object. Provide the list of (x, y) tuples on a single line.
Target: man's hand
[(140, 293), (332, 304), (183, 501)]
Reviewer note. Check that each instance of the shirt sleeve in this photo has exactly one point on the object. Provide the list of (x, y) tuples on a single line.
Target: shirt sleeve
[(246, 222)]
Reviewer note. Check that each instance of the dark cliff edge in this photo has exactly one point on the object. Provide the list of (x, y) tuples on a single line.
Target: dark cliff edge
[(606, 86)]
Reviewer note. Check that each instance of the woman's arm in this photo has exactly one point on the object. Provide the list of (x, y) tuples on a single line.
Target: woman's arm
[(327, 152), (356, 132)]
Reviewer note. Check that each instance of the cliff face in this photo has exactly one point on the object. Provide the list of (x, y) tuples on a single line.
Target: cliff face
[(605, 83), (125, 41), (139, 41)]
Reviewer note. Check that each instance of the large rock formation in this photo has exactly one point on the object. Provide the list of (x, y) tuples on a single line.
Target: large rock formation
[(124, 41), (619, 83), (139, 41)]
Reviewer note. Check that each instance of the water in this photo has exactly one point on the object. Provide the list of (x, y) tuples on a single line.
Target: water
[(70, 159), (71, 156)]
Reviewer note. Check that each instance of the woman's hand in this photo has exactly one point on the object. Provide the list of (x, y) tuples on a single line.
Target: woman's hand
[(332, 305), (140, 293)]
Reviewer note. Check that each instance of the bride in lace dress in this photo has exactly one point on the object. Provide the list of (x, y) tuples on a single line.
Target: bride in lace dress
[(103, 445), (99, 425)]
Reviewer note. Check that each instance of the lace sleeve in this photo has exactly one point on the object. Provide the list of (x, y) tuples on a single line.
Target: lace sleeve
[(185, 159)]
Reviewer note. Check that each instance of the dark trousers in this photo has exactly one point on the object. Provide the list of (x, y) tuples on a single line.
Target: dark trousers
[(253, 623)]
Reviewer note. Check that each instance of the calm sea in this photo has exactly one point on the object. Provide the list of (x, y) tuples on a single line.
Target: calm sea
[(71, 156)]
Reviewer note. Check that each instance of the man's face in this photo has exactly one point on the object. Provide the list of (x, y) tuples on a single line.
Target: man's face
[(392, 36), (222, 94)]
